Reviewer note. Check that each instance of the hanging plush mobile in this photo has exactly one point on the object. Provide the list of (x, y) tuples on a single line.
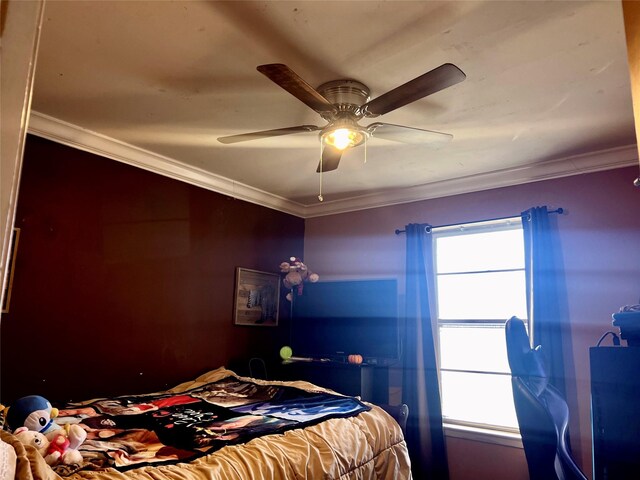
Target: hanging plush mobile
[(296, 274)]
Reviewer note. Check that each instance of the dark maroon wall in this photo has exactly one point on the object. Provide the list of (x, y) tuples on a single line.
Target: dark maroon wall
[(124, 279)]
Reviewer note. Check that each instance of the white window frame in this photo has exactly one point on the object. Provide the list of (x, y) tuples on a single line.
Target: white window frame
[(461, 428)]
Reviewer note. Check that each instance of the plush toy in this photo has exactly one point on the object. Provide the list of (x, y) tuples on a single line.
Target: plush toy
[(57, 451), (296, 274), (34, 414), (35, 439)]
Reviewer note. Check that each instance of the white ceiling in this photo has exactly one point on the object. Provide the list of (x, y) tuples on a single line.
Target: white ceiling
[(547, 82)]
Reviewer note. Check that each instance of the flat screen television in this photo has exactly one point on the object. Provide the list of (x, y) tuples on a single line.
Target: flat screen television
[(335, 319)]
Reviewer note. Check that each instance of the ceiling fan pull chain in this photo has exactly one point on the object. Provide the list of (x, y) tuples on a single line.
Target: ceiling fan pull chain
[(365, 150), (320, 192)]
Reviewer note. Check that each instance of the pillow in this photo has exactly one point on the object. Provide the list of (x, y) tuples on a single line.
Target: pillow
[(7, 461), (536, 370), (535, 364)]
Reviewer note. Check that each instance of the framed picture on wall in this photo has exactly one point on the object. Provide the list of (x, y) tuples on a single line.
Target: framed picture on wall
[(257, 295)]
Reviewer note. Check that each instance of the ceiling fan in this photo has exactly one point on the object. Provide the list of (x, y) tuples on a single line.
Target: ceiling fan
[(342, 103)]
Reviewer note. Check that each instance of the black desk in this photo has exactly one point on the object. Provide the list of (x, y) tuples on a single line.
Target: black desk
[(369, 382), (615, 412)]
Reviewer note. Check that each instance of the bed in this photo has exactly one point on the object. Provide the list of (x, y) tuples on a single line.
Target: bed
[(258, 430)]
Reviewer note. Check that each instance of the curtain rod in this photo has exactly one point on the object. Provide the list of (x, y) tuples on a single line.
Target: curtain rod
[(559, 211)]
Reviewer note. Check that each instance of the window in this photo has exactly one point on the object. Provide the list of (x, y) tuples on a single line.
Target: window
[(480, 283)]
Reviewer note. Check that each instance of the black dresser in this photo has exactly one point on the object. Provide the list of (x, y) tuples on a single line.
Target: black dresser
[(615, 412)]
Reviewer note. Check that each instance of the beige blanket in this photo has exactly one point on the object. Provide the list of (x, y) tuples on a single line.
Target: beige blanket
[(367, 446)]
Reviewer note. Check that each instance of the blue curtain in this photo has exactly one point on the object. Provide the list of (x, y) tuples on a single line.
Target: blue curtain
[(420, 387), (544, 303)]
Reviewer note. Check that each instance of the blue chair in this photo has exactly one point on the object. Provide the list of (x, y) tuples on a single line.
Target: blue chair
[(543, 415)]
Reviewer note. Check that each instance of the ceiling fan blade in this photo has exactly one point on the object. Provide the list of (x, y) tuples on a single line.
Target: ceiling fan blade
[(399, 133), (437, 79), (296, 86), (330, 159), (244, 137)]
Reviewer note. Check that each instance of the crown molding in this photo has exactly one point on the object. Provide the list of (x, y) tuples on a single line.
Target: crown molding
[(74, 136), (556, 168), (77, 137)]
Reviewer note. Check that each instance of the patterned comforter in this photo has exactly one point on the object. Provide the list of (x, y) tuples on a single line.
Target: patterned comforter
[(224, 426)]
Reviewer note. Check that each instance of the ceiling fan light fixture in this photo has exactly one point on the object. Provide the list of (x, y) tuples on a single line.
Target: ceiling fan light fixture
[(343, 133), (342, 138)]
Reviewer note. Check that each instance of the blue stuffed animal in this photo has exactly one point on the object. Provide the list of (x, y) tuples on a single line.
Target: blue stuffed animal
[(35, 413)]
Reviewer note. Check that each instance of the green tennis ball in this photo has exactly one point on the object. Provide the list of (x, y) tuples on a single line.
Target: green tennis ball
[(286, 352)]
